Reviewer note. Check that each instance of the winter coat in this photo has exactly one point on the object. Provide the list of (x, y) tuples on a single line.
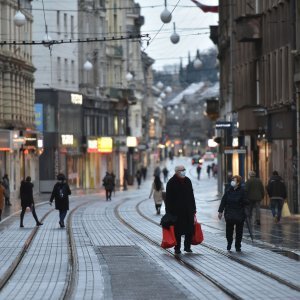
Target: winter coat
[(61, 199), (108, 182), (157, 195), (26, 194), (254, 189), (234, 202), (180, 202), (2, 191), (276, 188)]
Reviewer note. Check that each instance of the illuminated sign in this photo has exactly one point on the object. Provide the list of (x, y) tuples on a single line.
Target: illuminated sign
[(223, 125), (76, 99), (67, 139), (131, 141), (38, 120), (105, 144), (30, 140), (92, 145)]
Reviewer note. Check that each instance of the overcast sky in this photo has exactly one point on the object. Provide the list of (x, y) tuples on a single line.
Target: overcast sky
[(191, 24)]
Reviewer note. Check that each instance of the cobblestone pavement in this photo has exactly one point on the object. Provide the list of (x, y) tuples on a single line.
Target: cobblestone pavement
[(110, 252)]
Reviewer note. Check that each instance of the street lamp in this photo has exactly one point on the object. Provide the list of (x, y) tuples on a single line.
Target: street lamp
[(166, 16), (129, 76), (197, 63), (88, 66), (174, 37)]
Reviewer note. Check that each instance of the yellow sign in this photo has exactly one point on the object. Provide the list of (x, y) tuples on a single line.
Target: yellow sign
[(105, 144)]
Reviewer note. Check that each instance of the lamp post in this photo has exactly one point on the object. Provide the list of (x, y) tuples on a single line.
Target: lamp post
[(165, 15)]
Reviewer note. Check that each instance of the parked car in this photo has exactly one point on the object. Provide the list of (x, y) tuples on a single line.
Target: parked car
[(208, 156), (196, 159)]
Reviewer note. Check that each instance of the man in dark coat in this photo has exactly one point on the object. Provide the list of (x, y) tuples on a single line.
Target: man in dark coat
[(180, 202), (60, 193), (277, 192), (109, 185), (26, 195)]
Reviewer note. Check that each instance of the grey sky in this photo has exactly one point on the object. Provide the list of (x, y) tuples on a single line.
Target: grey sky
[(191, 24)]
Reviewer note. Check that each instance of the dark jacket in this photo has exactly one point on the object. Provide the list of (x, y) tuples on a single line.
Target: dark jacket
[(276, 187), (61, 201), (26, 194), (234, 202), (180, 202), (254, 189), (108, 182)]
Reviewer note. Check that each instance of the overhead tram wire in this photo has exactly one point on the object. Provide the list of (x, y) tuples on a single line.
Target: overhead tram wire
[(70, 41)]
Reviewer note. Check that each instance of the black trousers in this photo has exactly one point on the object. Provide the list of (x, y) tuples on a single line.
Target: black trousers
[(108, 194), (238, 233), (187, 241), (23, 213)]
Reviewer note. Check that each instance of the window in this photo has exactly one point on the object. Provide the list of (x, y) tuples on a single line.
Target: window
[(66, 70), (65, 25), (72, 27), (58, 69), (73, 71), (58, 21)]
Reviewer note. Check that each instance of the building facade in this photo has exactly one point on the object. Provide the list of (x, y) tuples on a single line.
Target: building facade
[(257, 95), (18, 137)]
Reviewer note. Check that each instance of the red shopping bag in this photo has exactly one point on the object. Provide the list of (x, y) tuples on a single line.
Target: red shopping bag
[(198, 234), (168, 237)]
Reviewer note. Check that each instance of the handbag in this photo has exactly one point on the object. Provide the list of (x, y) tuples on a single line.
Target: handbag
[(285, 210), (198, 234), (168, 237)]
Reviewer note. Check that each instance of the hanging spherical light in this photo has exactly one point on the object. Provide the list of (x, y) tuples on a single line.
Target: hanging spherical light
[(162, 95), (168, 89), (197, 63), (87, 66), (129, 76), (160, 85), (19, 19), (166, 16), (174, 37)]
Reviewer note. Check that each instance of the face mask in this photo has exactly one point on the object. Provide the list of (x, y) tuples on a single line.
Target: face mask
[(233, 183), (182, 173)]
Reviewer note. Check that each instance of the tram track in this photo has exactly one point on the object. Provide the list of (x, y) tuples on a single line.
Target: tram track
[(231, 257), (186, 264)]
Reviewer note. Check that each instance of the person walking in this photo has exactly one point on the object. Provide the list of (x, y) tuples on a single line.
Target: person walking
[(255, 192), (199, 168), (60, 193), (108, 183), (2, 195), (208, 169), (180, 202), (26, 195), (144, 172), (7, 189), (233, 204), (156, 189), (138, 176), (277, 192), (165, 172)]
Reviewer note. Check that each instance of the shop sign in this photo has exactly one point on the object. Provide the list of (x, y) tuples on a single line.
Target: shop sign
[(67, 139), (38, 109), (92, 145), (232, 151), (223, 125), (131, 141), (76, 99), (105, 144), (30, 140), (5, 140)]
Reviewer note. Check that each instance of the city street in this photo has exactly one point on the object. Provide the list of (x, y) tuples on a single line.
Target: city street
[(111, 250)]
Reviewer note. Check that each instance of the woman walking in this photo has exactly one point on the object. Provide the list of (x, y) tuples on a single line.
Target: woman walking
[(157, 189), (26, 194), (2, 195), (234, 202), (60, 193)]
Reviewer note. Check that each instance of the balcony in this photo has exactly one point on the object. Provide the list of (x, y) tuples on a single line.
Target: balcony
[(114, 51), (248, 28)]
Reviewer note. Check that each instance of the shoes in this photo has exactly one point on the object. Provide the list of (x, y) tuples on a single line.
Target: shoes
[(238, 250), (275, 219), (228, 247), (258, 222), (177, 251), (22, 225), (189, 250), (62, 225), (9, 204), (39, 224)]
